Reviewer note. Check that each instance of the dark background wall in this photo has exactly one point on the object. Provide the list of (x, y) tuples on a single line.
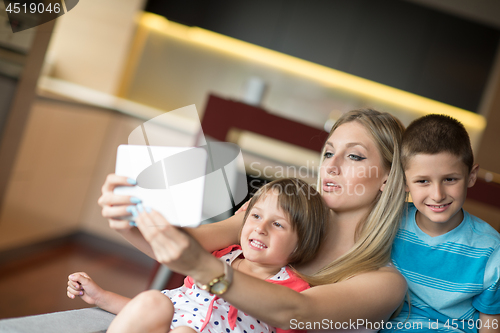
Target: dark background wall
[(393, 42)]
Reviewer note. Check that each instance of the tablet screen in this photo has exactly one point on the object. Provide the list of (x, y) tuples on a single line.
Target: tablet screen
[(170, 180)]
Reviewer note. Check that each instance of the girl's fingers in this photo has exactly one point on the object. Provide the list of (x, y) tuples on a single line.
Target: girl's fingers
[(73, 285), (74, 293), (71, 291), (70, 295), (80, 278), (75, 282)]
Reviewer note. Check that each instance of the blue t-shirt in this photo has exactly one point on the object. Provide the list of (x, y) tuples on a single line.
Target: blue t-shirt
[(451, 276)]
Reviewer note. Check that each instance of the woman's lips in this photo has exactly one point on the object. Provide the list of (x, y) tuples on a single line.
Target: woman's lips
[(330, 186)]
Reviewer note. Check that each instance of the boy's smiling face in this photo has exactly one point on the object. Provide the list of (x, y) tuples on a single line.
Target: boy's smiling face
[(438, 186)]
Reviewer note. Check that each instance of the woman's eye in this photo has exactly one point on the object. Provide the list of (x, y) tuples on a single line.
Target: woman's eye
[(328, 155), (356, 157), (256, 216), (422, 181)]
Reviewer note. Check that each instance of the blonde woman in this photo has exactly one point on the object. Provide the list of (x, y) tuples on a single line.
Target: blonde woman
[(355, 288)]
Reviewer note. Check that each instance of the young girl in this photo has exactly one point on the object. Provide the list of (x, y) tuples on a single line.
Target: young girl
[(284, 224)]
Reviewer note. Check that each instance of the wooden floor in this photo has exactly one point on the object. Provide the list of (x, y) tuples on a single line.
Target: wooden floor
[(33, 281)]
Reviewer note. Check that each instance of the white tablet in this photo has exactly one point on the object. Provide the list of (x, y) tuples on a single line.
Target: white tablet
[(170, 180)]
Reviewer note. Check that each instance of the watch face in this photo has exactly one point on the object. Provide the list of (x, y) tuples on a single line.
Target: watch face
[(219, 288)]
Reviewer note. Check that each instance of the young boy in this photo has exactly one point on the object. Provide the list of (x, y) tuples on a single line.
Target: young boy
[(450, 258)]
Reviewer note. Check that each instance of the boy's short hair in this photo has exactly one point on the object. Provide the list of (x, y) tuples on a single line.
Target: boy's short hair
[(434, 134), (306, 210)]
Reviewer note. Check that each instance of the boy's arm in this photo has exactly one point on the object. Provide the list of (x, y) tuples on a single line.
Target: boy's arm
[(489, 323), (489, 299)]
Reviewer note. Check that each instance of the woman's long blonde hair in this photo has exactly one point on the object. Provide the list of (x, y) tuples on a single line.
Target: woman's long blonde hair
[(375, 234)]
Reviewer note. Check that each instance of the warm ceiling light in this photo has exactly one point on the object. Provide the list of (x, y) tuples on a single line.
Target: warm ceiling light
[(327, 76)]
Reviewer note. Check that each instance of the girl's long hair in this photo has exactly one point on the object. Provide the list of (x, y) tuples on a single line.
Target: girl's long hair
[(374, 234)]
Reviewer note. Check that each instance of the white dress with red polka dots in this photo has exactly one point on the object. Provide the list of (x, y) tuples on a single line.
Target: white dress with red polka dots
[(206, 312)]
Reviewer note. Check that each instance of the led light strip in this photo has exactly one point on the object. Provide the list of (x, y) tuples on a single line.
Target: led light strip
[(325, 75)]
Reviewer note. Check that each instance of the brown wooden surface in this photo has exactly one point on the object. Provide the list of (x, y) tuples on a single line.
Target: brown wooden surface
[(34, 281)]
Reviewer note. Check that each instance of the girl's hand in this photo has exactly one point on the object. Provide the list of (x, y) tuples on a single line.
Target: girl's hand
[(80, 284), (171, 245), (115, 206)]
